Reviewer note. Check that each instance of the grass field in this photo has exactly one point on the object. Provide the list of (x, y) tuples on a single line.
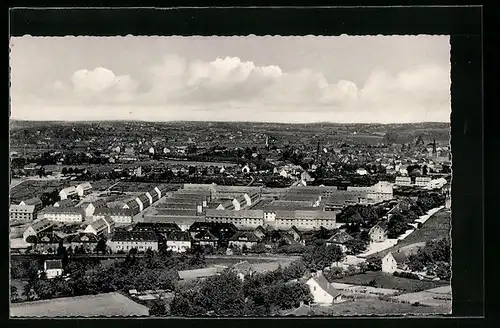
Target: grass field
[(385, 280), (29, 189), (374, 306)]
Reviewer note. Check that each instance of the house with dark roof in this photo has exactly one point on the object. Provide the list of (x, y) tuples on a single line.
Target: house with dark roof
[(322, 291), (89, 207), (394, 261), (52, 268), (37, 227), (243, 239), (178, 241), (160, 227), (83, 240), (205, 238), (145, 201), (45, 242), (295, 233), (133, 206), (340, 239), (140, 240), (260, 232), (378, 233)]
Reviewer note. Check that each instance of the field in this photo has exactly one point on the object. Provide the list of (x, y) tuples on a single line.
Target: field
[(374, 306), (140, 187), (385, 280)]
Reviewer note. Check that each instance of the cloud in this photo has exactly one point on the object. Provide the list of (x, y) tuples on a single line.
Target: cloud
[(174, 86)]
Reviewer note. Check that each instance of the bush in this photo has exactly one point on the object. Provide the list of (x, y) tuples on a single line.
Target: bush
[(407, 275)]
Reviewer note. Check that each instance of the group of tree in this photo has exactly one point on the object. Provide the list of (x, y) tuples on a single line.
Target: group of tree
[(318, 257), (85, 277), (257, 295), (434, 257)]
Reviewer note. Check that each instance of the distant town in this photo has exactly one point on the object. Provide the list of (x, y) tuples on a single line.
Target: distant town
[(183, 218)]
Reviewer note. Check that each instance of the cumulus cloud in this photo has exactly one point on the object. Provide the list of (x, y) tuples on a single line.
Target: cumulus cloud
[(229, 86)]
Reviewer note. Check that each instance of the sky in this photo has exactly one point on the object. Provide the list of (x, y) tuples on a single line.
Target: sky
[(340, 79)]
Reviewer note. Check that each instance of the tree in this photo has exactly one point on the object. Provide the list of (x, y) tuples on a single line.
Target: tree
[(318, 258), (356, 245), (158, 308), (101, 246), (13, 293), (396, 226)]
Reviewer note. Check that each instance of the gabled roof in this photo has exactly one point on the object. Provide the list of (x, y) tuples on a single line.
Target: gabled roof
[(381, 224), (340, 238), (244, 236), (134, 236), (205, 235), (400, 257), (65, 203), (178, 236), (325, 285), (294, 229), (156, 227), (41, 225), (53, 264), (102, 223), (112, 211), (85, 186), (199, 273), (49, 238), (83, 237), (33, 201), (65, 210), (22, 208)]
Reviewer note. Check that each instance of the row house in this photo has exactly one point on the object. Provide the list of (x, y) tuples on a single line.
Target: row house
[(37, 202), (140, 240), (120, 216), (84, 241), (244, 219), (303, 220), (104, 226), (243, 239), (89, 207), (37, 227), (22, 213), (69, 215), (178, 241), (164, 227)]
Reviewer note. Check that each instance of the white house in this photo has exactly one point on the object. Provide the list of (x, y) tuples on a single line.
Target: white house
[(403, 181), (68, 192), (83, 188), (361, 171), (245, 169), (101, 226), (393, 262), (178, 241), (53, 268), (322, 291)]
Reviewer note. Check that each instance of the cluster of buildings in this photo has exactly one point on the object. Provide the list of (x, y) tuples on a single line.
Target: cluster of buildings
[(422, 182)]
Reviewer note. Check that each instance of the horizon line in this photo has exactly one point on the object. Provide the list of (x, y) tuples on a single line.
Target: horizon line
[(200, 121)]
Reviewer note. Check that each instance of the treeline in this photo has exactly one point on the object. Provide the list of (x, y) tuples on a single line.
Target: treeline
[(434, 259), (258, 295)]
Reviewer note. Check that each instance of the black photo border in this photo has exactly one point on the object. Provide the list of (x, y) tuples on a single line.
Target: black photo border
[(463, 24)]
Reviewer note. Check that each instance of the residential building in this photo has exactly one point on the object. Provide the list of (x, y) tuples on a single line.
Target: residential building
[(243, 239), (378, 233), (33, 201), (22, 213), (38, 226), (393, 262), (302, 219), (403, 181), (244, 219), (259, 232), (322, 292), (83, 240), (69, 192), (295, 233), (422, 181), (89, 207), (119, 215), (340, 239), (178, 241), (205, 238), (103, 226), (163, 227), (133, 206), (83, 189), (45, 242), (63, 214), (126, 240), (52, 268)]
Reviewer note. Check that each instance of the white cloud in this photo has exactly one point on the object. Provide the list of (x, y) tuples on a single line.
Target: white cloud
[(178, 87)]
